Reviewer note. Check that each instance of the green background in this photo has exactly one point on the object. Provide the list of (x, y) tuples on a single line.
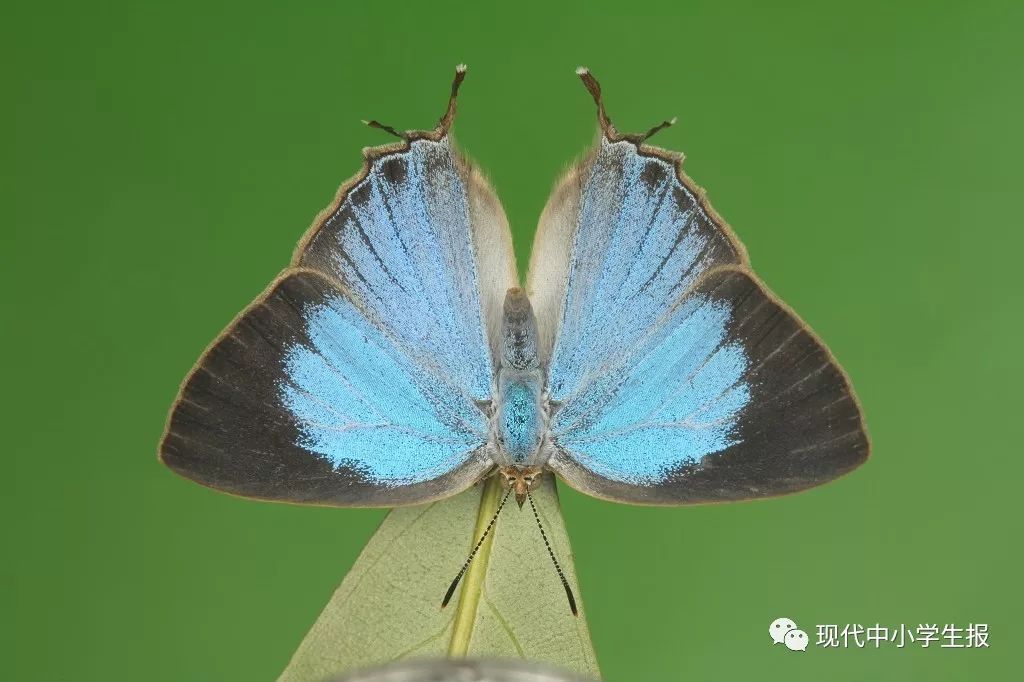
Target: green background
[(161, 161)]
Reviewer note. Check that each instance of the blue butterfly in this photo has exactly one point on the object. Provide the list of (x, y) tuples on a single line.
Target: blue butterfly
[(397, 361)]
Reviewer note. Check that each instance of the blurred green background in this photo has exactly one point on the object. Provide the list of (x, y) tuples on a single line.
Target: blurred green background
[(161, 161)]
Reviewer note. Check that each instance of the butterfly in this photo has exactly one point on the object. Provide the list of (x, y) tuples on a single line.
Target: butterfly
[(397, 360)]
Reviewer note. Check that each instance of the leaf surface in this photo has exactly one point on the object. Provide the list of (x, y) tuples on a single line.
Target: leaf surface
[(510, 604)]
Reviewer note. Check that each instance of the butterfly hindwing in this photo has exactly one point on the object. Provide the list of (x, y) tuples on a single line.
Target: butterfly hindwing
[(304, 399)]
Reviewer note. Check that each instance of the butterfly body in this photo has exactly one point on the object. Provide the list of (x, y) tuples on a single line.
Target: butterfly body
[(520, 410), (519, 443)]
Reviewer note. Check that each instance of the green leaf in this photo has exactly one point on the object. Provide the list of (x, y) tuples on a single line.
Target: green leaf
[(510, 604)]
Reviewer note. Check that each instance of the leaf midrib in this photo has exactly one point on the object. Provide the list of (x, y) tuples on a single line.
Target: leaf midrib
[(472, 586)]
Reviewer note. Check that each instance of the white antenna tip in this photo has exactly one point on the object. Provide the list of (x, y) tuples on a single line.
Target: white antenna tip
[(674, 120), (461, 68), (582, 70)]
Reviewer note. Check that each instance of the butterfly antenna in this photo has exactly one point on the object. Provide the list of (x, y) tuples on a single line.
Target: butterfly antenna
[(551, 553), (594, 88), (465, 566)]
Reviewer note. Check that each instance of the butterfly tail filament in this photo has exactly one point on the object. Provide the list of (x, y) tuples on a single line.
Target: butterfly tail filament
[(445, 121), (594, 88)]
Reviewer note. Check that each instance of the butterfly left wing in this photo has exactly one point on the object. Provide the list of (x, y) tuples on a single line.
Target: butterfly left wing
[(360, 377), (676, 377), (305, 399)]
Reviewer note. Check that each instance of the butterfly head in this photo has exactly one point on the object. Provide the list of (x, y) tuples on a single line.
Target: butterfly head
[(521, 480)]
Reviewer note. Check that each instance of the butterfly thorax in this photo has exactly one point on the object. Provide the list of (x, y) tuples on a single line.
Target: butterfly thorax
[(520, 418), (519, 423)]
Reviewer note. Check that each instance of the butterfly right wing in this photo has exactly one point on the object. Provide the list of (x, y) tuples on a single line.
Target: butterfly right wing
[(674, 375)]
